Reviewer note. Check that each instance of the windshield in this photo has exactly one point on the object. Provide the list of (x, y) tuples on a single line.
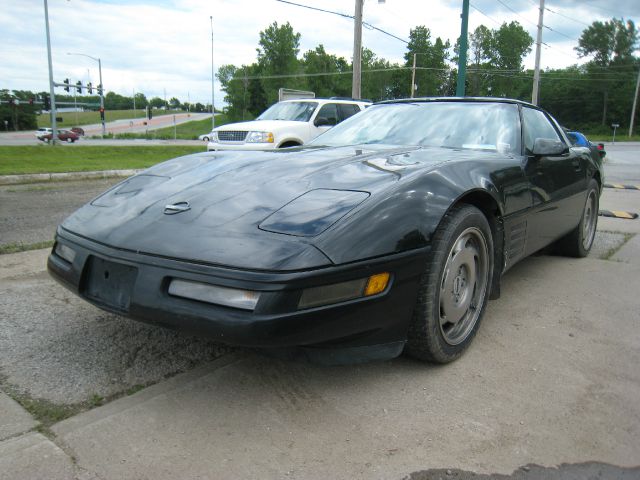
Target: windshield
[(295, 111), (473, 125)]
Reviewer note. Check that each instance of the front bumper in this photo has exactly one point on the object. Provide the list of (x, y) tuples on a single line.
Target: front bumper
[(239, 146), (275, 323)]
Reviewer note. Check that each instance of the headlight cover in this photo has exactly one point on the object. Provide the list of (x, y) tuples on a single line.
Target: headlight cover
[(313, 212), (259, 137)]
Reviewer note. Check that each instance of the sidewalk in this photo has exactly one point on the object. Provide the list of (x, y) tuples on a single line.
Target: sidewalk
[(47, 177)]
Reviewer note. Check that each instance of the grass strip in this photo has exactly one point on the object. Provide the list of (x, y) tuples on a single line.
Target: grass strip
[(75, 119), (15, 160), (24, 247), (185, 131)]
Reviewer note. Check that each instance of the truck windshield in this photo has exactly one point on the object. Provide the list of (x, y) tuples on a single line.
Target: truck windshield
[(294, 111)]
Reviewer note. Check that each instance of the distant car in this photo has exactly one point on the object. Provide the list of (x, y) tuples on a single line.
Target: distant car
[(289, 123), (389, 232), (78, 130), (42, 131), (63, 135), (205, 137), (580, 140)]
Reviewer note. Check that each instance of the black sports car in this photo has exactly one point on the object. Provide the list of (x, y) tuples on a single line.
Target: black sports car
[(388, 233)]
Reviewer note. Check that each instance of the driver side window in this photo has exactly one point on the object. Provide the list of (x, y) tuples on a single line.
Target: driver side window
[(536, 125), (330, 112)]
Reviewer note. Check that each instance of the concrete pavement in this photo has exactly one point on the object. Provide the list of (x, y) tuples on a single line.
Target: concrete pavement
[(551, 378)]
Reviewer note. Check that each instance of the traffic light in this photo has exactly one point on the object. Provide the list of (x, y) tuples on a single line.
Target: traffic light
[(66, 82), (79, 86), (99, 88), (149, 113), (46, 102), (89, 88)]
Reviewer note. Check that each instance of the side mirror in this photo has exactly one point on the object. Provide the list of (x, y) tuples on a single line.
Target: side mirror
[(547, 147), (323, 122)]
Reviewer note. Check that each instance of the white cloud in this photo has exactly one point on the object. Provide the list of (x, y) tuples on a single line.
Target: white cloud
[(153, 46)]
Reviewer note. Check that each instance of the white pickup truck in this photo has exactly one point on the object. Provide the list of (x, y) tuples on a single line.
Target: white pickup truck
[(285, 124)]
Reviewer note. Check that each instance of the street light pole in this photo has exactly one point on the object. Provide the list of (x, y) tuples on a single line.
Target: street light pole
[(462, 56), (101, 90), (213, 109), (51, 87)]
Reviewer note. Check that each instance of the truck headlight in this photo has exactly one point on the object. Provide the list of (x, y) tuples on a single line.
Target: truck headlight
[(259, 137)]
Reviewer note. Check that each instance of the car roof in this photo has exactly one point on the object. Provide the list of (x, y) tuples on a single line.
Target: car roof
[(326, 100), (459, 99)]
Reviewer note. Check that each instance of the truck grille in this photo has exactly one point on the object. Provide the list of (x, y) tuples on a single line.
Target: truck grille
[(232, 136)]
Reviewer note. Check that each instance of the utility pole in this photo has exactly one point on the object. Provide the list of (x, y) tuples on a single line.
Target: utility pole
[(133, 92), (356, 91), (413, 76), (633, 109), (54, 133), (536, 73), (462, 57), (213, 109)]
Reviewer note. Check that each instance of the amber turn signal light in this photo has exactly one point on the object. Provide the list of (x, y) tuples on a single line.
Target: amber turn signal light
[(377, 283)]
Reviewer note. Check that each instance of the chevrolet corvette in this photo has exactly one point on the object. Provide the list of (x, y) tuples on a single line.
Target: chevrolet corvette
[(389, 233)]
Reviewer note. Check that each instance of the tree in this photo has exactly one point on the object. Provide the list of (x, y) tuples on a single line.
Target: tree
[(174, 103), (277, 55), (609, 43), (319, 61), (432, 68), (481, 51), (156, 102)]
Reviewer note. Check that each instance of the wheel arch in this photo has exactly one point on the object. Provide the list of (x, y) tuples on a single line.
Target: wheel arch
[(484, 201), (290, 142)]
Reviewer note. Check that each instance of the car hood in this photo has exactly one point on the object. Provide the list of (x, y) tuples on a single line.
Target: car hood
[(228, 206), (260, 126)]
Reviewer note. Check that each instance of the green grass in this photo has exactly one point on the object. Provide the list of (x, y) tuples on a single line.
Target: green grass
[(184, 131), (23, 247), (62, 158), (73, 119)]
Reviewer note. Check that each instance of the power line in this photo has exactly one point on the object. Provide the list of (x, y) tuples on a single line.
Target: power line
[(344, 15), (482, 13)]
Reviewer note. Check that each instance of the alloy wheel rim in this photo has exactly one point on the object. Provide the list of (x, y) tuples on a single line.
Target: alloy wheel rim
[(463, 285), (589, 220)]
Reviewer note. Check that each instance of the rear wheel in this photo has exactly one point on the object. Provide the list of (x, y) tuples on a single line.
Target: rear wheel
[(69, 140), (579, 241), (454, 288), (205, 139)]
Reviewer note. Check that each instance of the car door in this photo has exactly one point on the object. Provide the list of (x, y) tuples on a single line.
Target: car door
[(347, 110), (557, 182)]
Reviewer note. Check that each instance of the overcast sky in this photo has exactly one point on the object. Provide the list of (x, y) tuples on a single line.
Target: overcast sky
[(152, 45)]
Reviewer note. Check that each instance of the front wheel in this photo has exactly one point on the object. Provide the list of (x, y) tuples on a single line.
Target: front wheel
[(69, 140), (454, 288)]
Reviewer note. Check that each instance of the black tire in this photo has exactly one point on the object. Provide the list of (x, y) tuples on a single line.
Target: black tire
[(289, 144), (431, 336), (205, 139), (579, 241)]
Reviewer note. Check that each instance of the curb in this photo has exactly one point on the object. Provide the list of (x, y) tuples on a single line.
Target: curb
[(52, 177), (621, 186), (618, 214)]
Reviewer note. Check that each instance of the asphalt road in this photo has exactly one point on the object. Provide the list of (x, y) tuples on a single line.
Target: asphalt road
[(137, 125)]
